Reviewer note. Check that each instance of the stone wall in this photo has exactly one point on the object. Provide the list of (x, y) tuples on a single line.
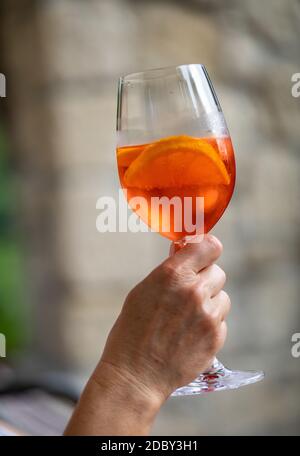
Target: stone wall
[(63, 60)]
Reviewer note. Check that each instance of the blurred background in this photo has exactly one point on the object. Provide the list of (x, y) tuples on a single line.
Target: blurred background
[(62, 283)]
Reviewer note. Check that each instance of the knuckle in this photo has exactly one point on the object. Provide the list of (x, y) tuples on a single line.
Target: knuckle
[(198, 294), (215, 245), (169, 272)]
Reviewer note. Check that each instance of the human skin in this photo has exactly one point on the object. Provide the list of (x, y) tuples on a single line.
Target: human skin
[(171, 326)]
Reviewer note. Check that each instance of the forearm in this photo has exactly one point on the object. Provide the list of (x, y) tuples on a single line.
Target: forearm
[(113, 404)]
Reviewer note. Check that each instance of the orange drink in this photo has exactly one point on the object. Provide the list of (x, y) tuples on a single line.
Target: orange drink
[(180, 167)]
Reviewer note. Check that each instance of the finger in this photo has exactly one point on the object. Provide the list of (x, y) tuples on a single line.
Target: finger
[(219, 344), (221, 304), (222, 335), (197, 256), (214, 278)]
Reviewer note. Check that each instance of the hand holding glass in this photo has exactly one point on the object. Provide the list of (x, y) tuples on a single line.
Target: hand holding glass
[(176, 165)]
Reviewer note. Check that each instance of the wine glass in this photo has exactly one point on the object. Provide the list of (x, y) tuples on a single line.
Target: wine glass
[(173, 145)]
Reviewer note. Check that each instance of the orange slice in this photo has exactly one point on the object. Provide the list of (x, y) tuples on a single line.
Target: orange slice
[(126, 155), (177, 161)]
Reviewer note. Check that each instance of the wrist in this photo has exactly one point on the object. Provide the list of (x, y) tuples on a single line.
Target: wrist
[(126, 396)]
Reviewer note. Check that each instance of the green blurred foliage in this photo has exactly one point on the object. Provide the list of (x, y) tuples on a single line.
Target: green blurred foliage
[(12, 307)]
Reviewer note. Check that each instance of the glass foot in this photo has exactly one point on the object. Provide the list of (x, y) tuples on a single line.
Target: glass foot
[(218, 379)]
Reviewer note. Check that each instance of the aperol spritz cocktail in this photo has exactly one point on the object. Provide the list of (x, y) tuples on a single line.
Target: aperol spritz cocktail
[(183, 167)]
